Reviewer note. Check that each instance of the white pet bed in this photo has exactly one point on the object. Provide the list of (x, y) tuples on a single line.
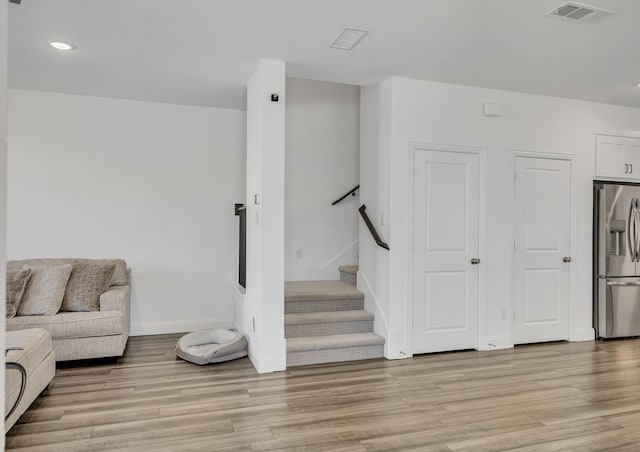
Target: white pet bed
[(212, 346)]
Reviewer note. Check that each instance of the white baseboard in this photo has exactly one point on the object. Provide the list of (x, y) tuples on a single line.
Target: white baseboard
[(178, 326), (584, 334), (381, 326), (274, 363), (496, 343), (395, 346)]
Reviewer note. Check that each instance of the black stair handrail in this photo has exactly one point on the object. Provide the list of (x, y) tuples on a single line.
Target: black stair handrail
[(241, 213), (351, 192), (372, 228)]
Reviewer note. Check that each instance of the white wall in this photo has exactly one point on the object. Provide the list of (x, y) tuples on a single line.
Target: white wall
[(448, 114), (373, 276), (151, 183), (322, 163), (4, 13), (261, 315)]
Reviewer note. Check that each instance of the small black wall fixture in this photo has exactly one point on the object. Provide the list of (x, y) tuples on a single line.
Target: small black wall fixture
[(351, 192), (371, 227)]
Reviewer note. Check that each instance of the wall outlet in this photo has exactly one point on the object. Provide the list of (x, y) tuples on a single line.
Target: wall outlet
[(299, 253), (504, 314), (381, 219), (252, 324)]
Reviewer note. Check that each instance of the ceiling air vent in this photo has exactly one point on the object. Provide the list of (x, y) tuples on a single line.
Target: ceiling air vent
[(577, 12), (348, 38)]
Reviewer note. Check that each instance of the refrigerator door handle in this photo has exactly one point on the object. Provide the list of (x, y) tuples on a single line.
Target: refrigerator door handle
[(632, 230), (612, 283), (637, 228)]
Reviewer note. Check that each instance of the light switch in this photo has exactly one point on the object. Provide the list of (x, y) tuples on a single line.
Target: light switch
[(492, 109)]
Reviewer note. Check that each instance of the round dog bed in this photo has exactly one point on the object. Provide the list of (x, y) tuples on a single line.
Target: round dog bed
[(211, 346)]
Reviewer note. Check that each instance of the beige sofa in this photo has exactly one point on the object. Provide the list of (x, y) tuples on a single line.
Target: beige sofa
[(32, 350), (84, 335)]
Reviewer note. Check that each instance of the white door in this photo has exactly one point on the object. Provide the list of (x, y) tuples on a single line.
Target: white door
[(446, 239), (542, 245)]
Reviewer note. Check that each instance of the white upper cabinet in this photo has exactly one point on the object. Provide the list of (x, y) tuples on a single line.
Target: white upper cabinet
[(617, 158)]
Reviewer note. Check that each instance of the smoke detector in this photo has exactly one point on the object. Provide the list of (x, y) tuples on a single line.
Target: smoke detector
[(577, 12)]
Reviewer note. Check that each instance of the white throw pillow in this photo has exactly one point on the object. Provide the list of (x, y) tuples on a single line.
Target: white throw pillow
[(45, 291)]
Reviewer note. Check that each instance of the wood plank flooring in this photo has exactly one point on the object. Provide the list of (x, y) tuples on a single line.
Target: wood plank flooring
[(550, 397)]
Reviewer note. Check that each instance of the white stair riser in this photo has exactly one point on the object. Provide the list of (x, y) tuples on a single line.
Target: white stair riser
[(354, 304), (329, 328), (335, 355)]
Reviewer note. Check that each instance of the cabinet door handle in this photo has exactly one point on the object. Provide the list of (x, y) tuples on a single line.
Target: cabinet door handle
[(626, 168), (631, 168)]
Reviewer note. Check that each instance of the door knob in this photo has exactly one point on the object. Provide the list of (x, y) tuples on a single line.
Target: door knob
[(475, 261), (566, 259)]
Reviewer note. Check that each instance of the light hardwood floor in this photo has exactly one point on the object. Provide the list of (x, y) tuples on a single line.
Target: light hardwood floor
[(560, 396)]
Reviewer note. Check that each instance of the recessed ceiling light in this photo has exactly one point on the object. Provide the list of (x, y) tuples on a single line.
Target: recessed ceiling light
[(638, 84), (348, 38), (60, 45)]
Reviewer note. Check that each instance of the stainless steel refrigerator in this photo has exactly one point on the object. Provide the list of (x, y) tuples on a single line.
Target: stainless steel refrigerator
[(616, 260)]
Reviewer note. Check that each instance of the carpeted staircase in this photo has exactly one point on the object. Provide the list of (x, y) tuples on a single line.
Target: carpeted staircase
[(325, 322)]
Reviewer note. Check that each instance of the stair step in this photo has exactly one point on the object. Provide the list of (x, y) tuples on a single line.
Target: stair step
[(327, 323), (303, 351), (349, 269), (321, 296), (349, 274)]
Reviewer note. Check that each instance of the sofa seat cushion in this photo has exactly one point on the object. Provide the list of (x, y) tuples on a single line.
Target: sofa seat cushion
[(35, 344), (72, 325), (38, 358)]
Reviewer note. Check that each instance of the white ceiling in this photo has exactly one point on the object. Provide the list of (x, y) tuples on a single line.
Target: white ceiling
[(202, 52)]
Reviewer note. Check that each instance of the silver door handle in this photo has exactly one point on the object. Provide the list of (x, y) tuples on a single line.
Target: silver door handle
[(632, 230), (566, 259), (475, 261), (636, 207), (623, 283)]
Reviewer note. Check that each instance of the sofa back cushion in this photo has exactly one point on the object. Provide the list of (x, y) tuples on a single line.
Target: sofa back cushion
[(45, 291), (17, 281), (87, 282), (119, 277)]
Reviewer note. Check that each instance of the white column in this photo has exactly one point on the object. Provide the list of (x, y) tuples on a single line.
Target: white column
[(264, 312)]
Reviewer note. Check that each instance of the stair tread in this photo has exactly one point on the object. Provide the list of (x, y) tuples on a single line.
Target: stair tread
[(307, 343), (327, 317), (320, 290), (353, 269)]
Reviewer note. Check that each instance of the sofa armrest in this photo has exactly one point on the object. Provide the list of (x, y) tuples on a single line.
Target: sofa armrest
[(116, 298)]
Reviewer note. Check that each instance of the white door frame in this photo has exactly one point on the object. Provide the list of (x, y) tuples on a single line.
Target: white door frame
[(482, 201), (572, 236)]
